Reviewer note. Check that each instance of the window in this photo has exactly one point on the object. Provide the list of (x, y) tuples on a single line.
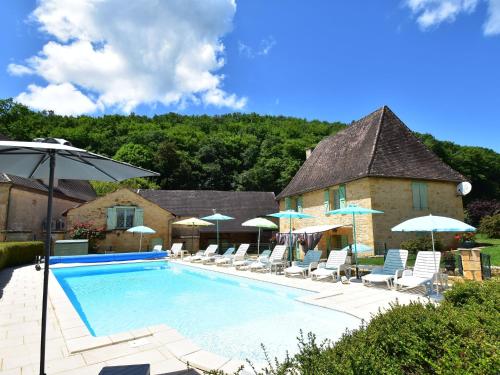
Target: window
[(326, 200), (124, 217), (338, 198), (288, 203), (299, 204), (419, 192)]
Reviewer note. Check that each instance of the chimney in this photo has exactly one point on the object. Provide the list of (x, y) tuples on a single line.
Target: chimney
[(309, 152)]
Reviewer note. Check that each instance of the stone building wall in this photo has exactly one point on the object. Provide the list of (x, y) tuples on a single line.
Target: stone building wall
[(120, 240)]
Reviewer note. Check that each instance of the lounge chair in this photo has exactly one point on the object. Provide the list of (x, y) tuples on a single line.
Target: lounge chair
[(198, 257), (335, 263), (394, 265), (276, 258), (423, 273), (157, 248), (239, 256), (304, 267), (244, 264), (176, 250), (212, 258)]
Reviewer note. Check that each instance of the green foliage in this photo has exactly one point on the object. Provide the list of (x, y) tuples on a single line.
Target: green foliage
[(478, 209), (421, 244), (229, 152), (459, 336), (490, 225), (19, 253), (103, 188)]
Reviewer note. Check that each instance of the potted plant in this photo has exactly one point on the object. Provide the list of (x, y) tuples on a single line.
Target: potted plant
[(466, 240), (449, 261), (89, 232)]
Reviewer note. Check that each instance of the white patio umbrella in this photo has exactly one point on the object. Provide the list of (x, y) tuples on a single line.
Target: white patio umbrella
[(51, 160), (193, 222), (259, 222), (433, 224), (142, 230)]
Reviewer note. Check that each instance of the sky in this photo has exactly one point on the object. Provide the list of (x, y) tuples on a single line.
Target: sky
[(435, 63)]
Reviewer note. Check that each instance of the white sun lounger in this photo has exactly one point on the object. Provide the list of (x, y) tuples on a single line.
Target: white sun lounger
[(304, 267), (335, 263), (275, 258), (238, 256), (394, 265), (423, 273), (198, 257), (176, 250), (245, 263), (212, 258)]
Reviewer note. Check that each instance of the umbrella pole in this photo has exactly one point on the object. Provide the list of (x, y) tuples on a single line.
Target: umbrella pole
[(217, 221), (140, 243), (47, 258), (258, 243), (355, 243), (192, 238)]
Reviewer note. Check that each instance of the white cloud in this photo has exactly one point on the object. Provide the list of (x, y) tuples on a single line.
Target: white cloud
[(65, 97), (264, 48), (266, 45), (130, 53), (492, 24), (431, 13)]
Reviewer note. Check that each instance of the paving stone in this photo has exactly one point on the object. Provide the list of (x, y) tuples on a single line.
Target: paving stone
[(205, 360), (182, 348)]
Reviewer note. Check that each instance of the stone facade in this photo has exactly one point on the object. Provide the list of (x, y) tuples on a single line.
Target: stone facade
[(119, 240), (391, 195), (23, 212)]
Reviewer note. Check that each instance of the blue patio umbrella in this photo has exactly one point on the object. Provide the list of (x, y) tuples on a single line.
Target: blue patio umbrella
[(360, 248), (290, 214), (354, 209), (142, 230), (217, 217), (433, 224)]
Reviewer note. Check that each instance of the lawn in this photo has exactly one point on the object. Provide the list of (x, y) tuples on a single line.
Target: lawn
[(493, 247)]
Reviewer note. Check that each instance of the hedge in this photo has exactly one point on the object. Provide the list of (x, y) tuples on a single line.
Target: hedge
[(19, 253), (459, 336)]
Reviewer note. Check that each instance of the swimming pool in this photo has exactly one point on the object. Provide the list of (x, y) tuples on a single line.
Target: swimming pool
[(227, 315)]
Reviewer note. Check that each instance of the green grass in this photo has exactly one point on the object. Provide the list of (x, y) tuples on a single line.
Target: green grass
[(493, 247)]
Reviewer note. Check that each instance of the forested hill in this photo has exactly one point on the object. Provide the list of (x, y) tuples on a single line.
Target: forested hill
[(230, 152)]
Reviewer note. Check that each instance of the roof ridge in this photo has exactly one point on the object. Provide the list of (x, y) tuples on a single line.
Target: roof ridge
[(377, 136)]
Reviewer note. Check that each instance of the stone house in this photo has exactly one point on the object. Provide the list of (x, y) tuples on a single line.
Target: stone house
[(378, 163), (23, 206), (118, 211), (158, 209)]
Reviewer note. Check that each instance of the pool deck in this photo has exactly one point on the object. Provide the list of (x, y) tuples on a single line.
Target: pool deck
[(72, 350)]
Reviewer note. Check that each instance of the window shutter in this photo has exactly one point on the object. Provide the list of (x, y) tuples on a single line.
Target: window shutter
[(326, 200), (111, 218), (299, 204), (343, 241), (423, 195), (342, 196), (415, 188), (138, 217), (288, 203)]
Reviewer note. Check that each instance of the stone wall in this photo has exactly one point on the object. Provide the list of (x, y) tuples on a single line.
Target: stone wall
[(120, 240), (394, 197), (4, 201)]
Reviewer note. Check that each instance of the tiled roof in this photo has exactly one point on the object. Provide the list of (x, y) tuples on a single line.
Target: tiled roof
[(242, 205), (378, 145), (73, 189)]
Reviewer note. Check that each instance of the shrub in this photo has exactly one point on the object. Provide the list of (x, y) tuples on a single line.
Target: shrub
[(478, 209), (459, 336), (19, 253), (421, 244), (490, 225), (87, 231)]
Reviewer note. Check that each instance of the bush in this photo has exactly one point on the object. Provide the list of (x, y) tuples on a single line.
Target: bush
[(459, 336), (421, 244), (478, 209), (490, 226), (19, 253)]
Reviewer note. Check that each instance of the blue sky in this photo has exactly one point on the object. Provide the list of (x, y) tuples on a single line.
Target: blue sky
[(435, 64)]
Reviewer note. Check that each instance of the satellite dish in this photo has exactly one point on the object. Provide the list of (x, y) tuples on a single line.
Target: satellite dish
[(464, 188)]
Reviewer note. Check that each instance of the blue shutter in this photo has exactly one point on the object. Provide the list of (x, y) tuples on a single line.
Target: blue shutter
[(300, 203), (415, 189), (423, 195), (111, 218), (138, 217), (288, 203), (342, 196), (326, 200)]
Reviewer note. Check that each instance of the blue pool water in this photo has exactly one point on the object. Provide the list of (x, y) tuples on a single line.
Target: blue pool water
[(227, 315)]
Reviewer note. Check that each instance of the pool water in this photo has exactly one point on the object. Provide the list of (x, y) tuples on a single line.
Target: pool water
[(227, 315)]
